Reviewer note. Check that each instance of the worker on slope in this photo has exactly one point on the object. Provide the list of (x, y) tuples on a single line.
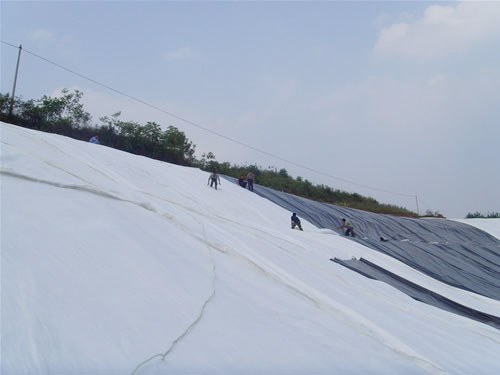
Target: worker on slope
[(94, 139), (213, 178), (295, 221), (349, 226), (242, 182), (250, 179)]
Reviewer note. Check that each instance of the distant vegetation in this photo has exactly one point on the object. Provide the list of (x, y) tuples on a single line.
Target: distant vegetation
[(489, 215), (280, 180), (65, 115), (429, 213)]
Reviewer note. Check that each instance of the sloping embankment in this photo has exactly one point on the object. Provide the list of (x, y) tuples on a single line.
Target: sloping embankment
[(451, 252)]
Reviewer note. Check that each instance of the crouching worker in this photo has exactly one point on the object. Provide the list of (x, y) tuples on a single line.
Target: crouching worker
[(296, 221), (242, 182), (348, 225)]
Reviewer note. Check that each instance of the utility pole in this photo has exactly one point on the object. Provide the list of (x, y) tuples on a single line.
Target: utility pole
[(416, 200), (15, 80)]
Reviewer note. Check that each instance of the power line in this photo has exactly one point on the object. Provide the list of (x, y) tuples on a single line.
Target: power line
[(206, 129)]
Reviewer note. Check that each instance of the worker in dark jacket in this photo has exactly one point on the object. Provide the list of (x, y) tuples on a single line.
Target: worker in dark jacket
[(242, 182), (295, 221)]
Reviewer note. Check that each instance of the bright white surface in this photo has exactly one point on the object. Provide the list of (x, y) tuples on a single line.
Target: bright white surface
[(109, 259), (325, 84), (491, 226)]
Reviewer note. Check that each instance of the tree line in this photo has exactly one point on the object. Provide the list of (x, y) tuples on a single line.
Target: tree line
[(477, 215), (65, 115)]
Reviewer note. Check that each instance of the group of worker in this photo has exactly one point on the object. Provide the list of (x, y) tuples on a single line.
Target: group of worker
[(295, 221), (249, 181), (213, 179)]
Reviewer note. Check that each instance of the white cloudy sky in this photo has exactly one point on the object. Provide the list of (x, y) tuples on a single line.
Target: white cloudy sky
[(399, 96)]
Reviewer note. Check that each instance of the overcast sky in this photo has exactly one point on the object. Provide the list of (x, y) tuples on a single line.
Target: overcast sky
[(398, 96)]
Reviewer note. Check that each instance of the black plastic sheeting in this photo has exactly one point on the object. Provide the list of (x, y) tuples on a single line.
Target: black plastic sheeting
[(417, 292), (454, 253)]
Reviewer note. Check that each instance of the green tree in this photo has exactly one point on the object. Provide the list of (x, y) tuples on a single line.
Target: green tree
[(477, 214), (53, 114)]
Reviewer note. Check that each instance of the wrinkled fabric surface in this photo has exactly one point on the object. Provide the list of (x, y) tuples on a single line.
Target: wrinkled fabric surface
[(416, 291), (454, 253)]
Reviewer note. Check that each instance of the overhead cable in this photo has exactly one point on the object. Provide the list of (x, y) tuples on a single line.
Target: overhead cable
[(207, 129)]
